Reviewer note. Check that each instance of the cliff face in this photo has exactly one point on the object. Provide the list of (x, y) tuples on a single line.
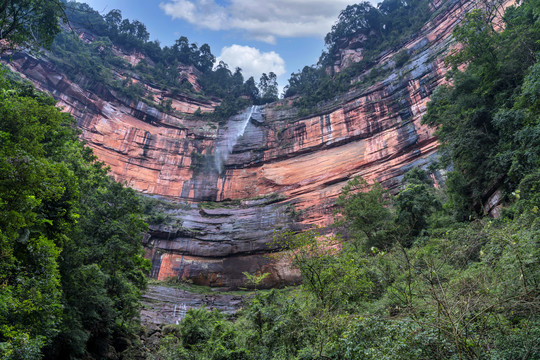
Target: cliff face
[(268, 168)]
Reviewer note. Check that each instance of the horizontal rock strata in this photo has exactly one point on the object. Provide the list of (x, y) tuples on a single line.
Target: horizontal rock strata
[(168, 305), (373, 131)]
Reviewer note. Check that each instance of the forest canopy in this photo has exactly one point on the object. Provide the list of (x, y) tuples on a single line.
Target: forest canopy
[(29, 23)]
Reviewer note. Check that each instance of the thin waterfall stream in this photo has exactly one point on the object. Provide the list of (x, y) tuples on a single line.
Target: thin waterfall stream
[(236, 128)]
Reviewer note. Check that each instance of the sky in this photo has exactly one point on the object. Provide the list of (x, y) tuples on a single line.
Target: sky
[(258, 36)]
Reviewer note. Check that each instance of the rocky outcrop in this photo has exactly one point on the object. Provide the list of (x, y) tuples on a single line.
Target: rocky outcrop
[(269, 168), (214, 244), (168, 305)]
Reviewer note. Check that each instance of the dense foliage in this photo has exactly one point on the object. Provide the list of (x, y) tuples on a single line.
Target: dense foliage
[(419, 276), (71, 264), (29, 23), (489, 119)]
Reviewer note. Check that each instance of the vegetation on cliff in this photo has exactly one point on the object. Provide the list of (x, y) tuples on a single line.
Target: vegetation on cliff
[(94, 51), (366, 29), (422, 274), (488, 120)]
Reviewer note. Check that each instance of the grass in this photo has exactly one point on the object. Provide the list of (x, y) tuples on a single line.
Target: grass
[(271, 198), (218, 205), (206, 290)]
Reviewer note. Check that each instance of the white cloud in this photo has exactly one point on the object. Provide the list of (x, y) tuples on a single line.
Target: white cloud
[(252, 61), (205, 13), (262, 20)]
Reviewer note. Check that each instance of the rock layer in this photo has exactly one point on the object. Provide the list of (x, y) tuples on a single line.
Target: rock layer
[(373, 131), (168, 305)]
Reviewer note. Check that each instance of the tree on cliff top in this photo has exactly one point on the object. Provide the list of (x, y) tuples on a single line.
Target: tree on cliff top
[(29, 23), (374, 29)]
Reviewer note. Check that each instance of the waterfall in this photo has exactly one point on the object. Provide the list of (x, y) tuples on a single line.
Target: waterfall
[(235, 130)]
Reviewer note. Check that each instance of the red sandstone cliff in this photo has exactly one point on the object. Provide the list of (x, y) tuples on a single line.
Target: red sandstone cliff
[(284, 171)]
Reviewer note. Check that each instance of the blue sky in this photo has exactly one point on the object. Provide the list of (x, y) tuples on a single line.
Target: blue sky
[(257, 35)]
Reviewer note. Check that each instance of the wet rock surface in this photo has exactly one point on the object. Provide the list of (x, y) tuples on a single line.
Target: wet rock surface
[(214, 246), (168, 305)]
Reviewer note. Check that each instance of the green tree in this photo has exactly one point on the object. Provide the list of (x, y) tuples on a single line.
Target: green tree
[(113, 20), (206, 59), (268, 88), (102, 267), (202, 334), (251, 89), (374, 29), (140, 31), (71, 264), (356, 20), (415, 203), (305, 82), (29, 23), (127, 27), (37, 208), (365, 210)]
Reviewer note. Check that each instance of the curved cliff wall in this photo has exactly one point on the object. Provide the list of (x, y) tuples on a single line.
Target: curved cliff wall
[(268, 169)]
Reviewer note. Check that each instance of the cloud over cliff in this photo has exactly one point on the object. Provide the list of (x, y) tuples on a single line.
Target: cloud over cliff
[(261, 20), (252, 61)]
